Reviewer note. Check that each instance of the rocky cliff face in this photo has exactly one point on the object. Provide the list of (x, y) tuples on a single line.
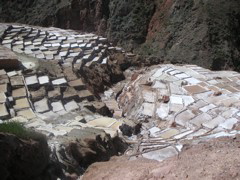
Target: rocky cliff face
[(201, 32), (190, 31), (23, 159), (128, 21)]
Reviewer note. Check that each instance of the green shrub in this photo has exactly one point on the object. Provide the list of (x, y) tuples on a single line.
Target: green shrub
[(20, 131)]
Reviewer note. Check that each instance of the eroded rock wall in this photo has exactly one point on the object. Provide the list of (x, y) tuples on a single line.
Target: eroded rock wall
[(205, 33), (82, 147)]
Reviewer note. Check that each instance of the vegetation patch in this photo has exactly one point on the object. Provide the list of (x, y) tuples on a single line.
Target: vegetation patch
[(20, 131)]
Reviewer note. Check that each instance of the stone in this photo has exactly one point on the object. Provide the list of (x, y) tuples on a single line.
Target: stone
[(19, 93), (200, 119), (169, 69), (49, 116), (16, 81), (198, 104), (21, 104), (214, 122), (176, 100), (70, 94), (217, 111), (77, 84), (28, 51), (200, 132), (85, 94), (12, 73), (228, 102), (12, 112), (153, 131), (187, 100), (184, 118), (229, 113), (192, 80), (65, 45), (71, 106), (238, 114), (2, 72), (27, 113), (174, 108), (104, 61), (10, 99), (57, 106), (4, 88), (182, 76), (9, 41), (54, 94), (207, 108), (161, 154), (195, 89), (112, 104), (175, 89), (4, 79), (32, 80), (60, 81), (168, 133), (158, 73), (3, 112), (40, 56), (149, 96), (118, 114), (213, 88), (229, 123), (159, 85), (96, 59), (69, 74), (3, 97), (163, 111), (220, 85), (103, 39), (36, 95), (148, 109), (105, 122), (41, 106), (231, 89), (184, 134), (43, 80), (175, 72), (9, 46)]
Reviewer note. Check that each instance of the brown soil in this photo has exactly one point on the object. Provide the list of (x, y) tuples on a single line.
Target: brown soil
[(215, 159)]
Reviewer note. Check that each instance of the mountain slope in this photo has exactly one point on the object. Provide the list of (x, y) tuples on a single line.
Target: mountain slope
[(202, 32)]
